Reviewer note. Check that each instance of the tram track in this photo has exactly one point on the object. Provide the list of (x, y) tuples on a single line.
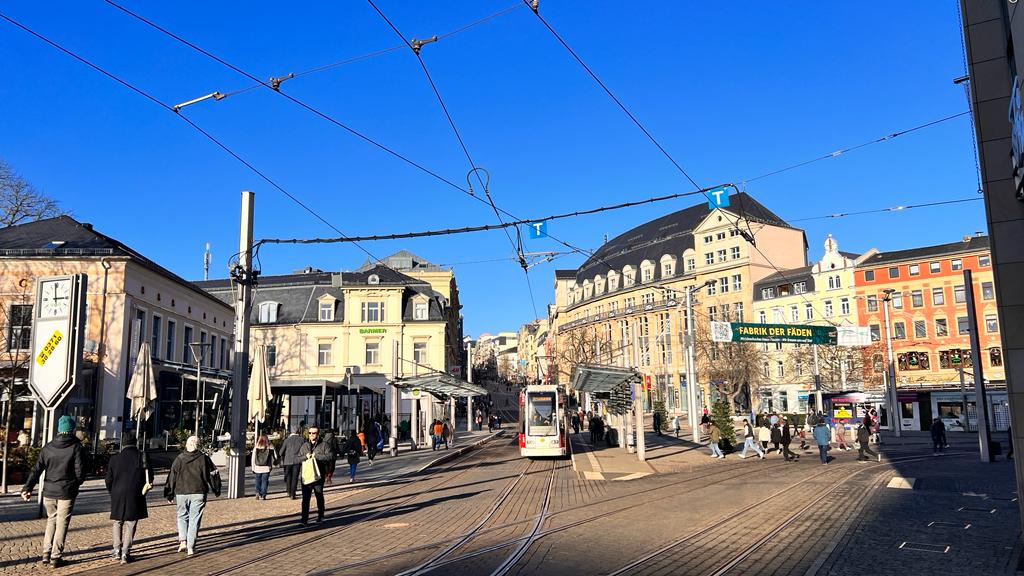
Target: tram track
[(317, 535), (788, 520)]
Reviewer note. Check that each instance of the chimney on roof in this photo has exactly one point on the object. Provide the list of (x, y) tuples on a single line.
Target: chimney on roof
[(979, 234), (966, 238)]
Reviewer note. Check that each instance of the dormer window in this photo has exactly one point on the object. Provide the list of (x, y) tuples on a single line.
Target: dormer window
[(373, 279), (327, 310), (268, 312), (419, 311)]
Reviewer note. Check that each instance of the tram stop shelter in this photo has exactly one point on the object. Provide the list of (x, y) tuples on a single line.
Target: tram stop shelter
[(445, 388), (611, 385)]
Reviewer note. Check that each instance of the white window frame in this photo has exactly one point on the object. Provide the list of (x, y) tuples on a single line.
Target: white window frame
[(268, 312), (420, 310), (325, 354), (326, 309)]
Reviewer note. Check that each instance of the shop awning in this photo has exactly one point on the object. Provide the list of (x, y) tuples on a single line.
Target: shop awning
[(442, 385), (596, 378), (312, 387)]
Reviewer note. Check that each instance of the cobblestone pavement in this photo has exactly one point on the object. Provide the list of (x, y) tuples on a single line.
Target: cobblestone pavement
[(491, 512)]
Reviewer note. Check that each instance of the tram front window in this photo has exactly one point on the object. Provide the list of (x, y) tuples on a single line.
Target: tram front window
[(542, 415)]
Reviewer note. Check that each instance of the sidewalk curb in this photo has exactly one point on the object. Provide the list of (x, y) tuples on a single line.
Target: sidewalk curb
[(458, 452)]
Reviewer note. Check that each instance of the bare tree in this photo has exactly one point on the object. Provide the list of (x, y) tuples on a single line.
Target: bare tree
[(582, 345), (840, 367), (14, 359), (20, 201), (733, 368)]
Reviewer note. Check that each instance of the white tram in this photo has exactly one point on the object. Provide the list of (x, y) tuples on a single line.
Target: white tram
[(542, 426)]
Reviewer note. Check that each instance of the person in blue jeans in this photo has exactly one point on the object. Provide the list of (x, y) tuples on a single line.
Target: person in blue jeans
[(822, 437), (749, 441), (264, 457), (187, 486)]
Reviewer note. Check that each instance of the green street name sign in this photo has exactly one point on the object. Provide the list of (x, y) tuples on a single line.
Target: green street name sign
[(373, 330), (791, 333)]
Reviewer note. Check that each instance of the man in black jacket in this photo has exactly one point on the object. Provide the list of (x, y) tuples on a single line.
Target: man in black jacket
[(290, 460), (61, 460), (321, 451)]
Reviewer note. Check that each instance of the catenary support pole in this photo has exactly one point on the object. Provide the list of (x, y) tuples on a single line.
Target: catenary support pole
[(895, 418), (393, 437), (692, 387), (980, 401), (818, 407), (469, 375), (240, 362)]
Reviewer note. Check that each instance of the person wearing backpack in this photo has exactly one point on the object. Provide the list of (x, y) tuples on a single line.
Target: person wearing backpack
[(264, 458), (128, 479), (352, 450), (193, 475)]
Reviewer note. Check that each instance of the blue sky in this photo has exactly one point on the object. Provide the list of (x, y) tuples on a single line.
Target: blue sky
[(731, 90)]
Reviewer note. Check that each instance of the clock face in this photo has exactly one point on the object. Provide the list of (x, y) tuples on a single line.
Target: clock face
[(55, 299)]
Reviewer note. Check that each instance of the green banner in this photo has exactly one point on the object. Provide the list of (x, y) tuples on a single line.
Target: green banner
[(791, 333)]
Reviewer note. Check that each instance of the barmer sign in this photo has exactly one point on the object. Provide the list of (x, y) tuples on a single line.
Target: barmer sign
[(792, 333)]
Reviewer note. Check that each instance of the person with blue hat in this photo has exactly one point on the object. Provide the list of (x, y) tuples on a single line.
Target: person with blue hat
[(61, 460)]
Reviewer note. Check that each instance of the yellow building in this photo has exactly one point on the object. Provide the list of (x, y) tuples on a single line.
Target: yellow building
[(533, 350), (330, 339), (821, 294), (625, 304)]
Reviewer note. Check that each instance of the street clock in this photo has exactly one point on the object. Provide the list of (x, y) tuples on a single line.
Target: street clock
[(58, 326), (55, 298)]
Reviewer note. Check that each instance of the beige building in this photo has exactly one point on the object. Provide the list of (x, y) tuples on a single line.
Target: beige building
[(330, 339), (628, 298), (822, 294), (532, 351), (130, 299)]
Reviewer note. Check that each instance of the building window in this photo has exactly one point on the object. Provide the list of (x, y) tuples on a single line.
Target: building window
[(223, 353), (734, 252), (957, 264), (327, 311), (613, 307), (762, 317), (799, 366), (869, 275), (711, 288), (372, 312), (708, 239), (271, 355), (777, 317), (725, 313), (767, 293), (202, 348), (897, 300), (721, 256), (991, 323), (723, 284), (916, 298), (154, 342), (899, 331), (629, 278), (648, 274), (963, 325), (938, 296), (419, 354), (799, 287), (630, 303), (713, 313), (169, 349), (959, 294), (720, 236), (268, 312), (667, 270), (995, 357), (831, 283), (739, 311), (691, 264), (764, 370), (872, 303), (844, 306), (794, 313), (19, 327), (914, 269), (213, 351), (828, 308), (876, 332), (186, 351), (935, 267), (894, 272), (737, 282), (808, 311), (985, 261), (988, 292), (709, 258), (323, 354), (941, 328), (780, 369), (647, 299), (419, 311), (920, 329)]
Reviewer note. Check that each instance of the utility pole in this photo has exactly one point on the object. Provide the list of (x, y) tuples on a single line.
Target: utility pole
[(638, 401), (817, 380), (393, 439), (242, 274), (980, 401), (692, 402), (895, 417), (469, 376)]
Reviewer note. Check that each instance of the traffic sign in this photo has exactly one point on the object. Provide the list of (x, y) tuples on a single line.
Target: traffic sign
[(718, 197), (538, 229)]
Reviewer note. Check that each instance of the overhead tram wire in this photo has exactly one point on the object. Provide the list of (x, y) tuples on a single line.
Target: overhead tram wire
[(534, 7), (195, 126)]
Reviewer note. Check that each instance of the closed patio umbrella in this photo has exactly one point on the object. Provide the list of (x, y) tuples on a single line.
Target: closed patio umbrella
[(142, 387), (259, 388)]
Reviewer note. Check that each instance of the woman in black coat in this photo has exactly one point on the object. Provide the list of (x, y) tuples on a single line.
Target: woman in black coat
[(127, 476), (353, 448)]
